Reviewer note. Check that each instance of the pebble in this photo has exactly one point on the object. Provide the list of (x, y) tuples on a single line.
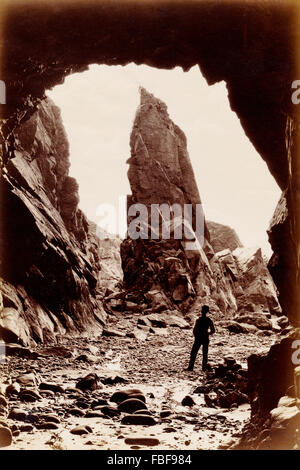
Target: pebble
[(27, 380), (82, 404), (50, 418), (76, 412), (80, 430), (169, 429), (52, 387), (47, 393), (26, 428), (100, 402), (17, 414), (3, 410), (188, 401)]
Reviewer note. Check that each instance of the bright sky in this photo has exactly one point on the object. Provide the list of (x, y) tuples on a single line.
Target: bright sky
[(98, 107)]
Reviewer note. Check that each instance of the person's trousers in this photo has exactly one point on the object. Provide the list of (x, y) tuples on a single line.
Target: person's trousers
[(196, 346)]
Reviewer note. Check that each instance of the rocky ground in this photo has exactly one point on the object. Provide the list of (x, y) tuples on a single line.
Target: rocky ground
[(45, 405)]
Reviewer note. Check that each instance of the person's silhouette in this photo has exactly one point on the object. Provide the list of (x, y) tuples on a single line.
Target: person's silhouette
[(203, 328)]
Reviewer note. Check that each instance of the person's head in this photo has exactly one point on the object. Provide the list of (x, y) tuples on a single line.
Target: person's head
[(204, 310)]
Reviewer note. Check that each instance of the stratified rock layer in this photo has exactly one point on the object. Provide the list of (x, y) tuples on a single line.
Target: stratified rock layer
[(50, 257)]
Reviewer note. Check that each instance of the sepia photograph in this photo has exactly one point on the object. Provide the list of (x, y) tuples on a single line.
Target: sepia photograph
[(149, 228)]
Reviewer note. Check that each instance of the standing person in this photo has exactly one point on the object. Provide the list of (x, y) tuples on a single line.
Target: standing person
[(203, 328)]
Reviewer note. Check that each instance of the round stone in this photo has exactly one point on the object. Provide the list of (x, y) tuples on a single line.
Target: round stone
[(5, 437), (131, 405)]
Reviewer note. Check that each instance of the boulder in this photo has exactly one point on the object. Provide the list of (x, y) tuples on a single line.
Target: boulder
[(138, 334), (27, 380), (259, 320), (109, 411), (88, 383), (123, 395), (29, 396), (131, 405), (188, 401), (138, 419), (144, 321), (157, 321), (235, 327), (81, 430), (113, 380), (112, 332), (270, 374), (76, 412), (176, 321), (51, 386), (12, 327)]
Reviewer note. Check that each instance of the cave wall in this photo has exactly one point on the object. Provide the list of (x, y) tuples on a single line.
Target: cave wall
[(49, 282), (250, 45)]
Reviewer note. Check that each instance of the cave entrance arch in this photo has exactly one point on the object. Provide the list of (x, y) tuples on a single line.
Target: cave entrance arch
[(249, 45)]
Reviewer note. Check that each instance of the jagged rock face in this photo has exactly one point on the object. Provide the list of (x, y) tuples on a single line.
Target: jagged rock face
[(111, 274), (160, 172), (232, 281), (282, 264), (255, 290), (270, 375), (259, 291), (222, 237), (50, 257), (160, 169), (240, 286)]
